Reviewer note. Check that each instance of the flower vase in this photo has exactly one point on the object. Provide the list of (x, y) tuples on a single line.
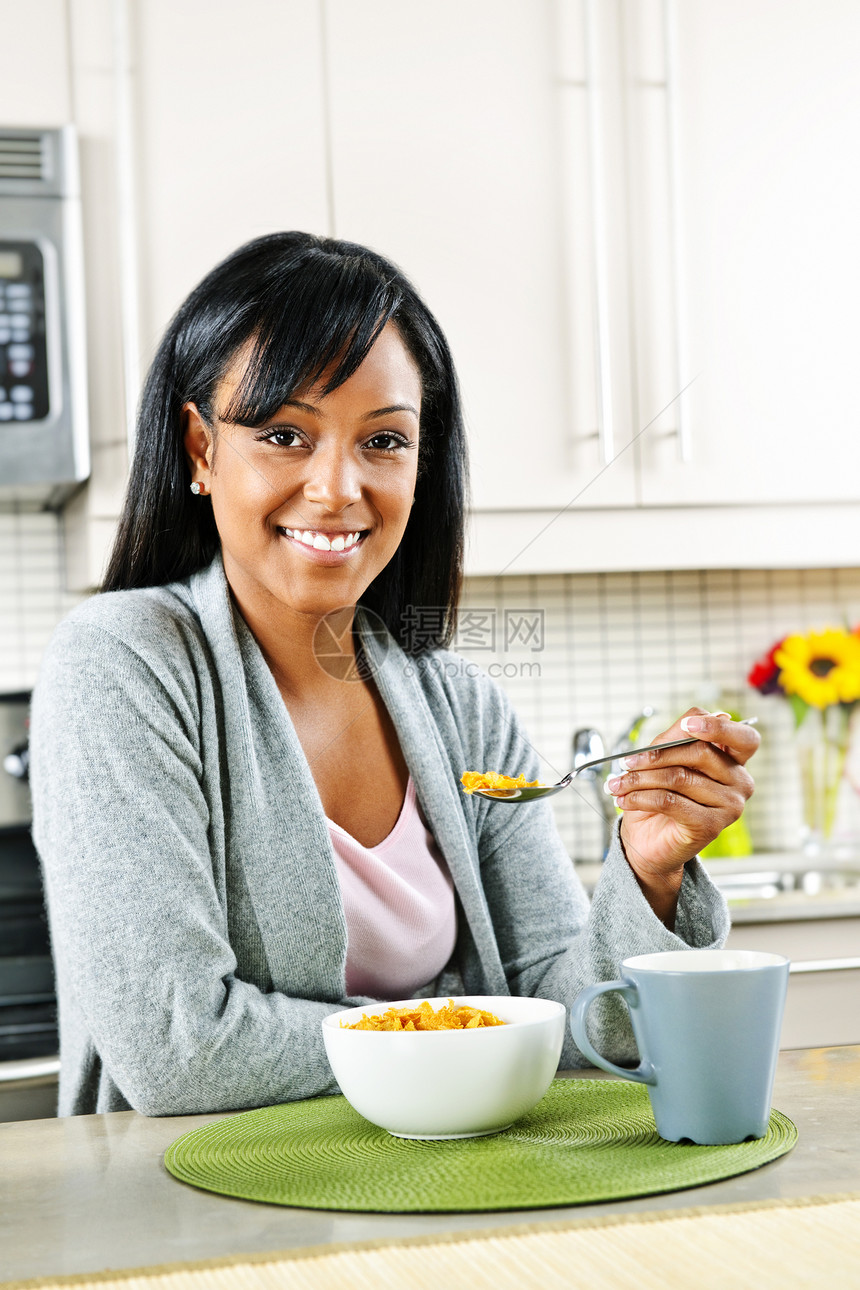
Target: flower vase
[(823, 742)]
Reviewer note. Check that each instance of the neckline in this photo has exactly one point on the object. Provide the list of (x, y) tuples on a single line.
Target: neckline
[(399, 825)]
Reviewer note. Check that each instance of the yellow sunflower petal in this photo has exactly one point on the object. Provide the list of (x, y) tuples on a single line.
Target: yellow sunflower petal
[(800, 660), (795, 648)]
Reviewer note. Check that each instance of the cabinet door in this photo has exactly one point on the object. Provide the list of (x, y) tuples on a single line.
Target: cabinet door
[(34, 86), (767, 120), (460, 150), (821, 1007), (231, 136)]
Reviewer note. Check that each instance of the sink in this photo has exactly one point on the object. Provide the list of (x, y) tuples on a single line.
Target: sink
[(761, 884)]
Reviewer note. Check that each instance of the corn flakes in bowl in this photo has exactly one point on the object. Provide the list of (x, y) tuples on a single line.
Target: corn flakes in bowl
[(423, 1016), (439, 1080)]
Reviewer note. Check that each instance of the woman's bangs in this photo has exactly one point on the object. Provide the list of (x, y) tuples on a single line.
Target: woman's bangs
[(326, 331)]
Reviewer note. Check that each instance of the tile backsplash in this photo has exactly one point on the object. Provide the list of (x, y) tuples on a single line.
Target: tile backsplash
[(571, 650), (610, 644), (32, 599)]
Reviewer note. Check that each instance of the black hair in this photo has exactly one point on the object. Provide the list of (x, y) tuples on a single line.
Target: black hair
[(301, 304)]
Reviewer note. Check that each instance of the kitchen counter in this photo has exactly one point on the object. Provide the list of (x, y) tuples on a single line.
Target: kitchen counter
[(769, 898), (788, 887), (90, 1193)]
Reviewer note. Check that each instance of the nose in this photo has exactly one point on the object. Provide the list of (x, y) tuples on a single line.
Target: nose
[(334, 478)]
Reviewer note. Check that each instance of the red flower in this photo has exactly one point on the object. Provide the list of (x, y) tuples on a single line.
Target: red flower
[(764, 674)]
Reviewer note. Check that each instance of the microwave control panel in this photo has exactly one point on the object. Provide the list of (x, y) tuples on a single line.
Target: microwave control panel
[(44, 422), (23, 347)]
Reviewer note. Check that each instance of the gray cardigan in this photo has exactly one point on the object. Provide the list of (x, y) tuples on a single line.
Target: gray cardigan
[(196, 919)]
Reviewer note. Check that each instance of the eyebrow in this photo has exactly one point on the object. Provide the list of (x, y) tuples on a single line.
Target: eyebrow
[(395, 407), (370, 416)]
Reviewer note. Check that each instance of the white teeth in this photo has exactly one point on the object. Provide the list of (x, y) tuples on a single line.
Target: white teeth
[(343, 541)]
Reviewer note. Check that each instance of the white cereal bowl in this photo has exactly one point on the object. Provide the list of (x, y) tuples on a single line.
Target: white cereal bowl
[(448, 1083)]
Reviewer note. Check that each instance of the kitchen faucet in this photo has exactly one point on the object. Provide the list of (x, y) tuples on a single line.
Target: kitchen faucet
[(588, 744)]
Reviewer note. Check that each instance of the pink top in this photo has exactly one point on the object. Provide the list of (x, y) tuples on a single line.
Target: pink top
[(399, 903)]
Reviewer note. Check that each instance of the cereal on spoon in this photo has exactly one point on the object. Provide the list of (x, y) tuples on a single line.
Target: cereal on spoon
[(492, 780)]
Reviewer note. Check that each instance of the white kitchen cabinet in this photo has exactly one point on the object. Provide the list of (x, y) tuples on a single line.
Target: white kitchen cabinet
[(231, 139), (516, 158), (603, 207), (34, 86), (822, 1007), (197, 133), (449, 123), (764, 102)]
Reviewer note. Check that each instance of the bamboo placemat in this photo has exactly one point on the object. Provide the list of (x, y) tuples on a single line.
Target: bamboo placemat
[(585, 1141), (809, 1243)]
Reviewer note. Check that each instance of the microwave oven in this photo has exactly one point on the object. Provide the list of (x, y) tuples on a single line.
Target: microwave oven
[(44, 437)]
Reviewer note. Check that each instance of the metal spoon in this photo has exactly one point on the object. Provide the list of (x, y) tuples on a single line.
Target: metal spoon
[(518, 795)]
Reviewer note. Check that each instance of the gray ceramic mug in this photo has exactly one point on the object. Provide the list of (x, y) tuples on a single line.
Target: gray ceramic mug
[(707, 1025)]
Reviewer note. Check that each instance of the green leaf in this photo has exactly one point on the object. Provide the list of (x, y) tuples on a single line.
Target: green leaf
[(799, 707)]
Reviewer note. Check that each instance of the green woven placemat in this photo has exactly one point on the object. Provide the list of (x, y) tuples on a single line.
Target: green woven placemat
[(585, 1141)]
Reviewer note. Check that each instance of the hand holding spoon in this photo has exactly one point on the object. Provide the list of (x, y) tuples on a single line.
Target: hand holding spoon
[(518, 795)]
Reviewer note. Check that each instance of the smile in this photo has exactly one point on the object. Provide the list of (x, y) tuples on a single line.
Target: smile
[(325, 542)]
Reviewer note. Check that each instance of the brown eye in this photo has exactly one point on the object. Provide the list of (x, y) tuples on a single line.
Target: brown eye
[(385, 441), (283, 436)]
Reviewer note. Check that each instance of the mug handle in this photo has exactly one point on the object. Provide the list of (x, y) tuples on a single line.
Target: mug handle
[(644, 1072)]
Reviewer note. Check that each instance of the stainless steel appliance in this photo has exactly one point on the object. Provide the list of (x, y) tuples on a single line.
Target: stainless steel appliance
[(587, 745), (28, 1016), (14, 788), (44, 440)]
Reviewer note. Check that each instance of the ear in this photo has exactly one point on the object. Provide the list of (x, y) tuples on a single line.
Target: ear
[(199, 445)]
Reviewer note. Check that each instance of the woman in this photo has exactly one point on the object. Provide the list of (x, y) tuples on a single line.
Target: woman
[(245, 780)]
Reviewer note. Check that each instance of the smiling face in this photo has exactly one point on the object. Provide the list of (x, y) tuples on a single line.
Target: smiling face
[(312, 505)]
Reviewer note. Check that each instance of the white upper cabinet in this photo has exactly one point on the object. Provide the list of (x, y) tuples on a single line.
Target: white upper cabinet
[(607, 202), (230, 136), (745, 210), (460, 149), (34, 84)]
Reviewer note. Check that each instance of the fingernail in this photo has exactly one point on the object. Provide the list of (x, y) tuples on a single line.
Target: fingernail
[(691, 724), (614, 784), (721, 714), (630, 763)]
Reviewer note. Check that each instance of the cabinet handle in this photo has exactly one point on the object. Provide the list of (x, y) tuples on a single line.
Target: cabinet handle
[(600, 250), (676, 229), (824, 965), (26, 1068)]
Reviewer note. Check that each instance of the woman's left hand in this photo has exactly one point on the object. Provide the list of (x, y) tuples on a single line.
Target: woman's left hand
[(675, 802)]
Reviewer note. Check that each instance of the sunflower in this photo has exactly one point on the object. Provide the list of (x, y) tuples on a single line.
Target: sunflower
[(821, 668)]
